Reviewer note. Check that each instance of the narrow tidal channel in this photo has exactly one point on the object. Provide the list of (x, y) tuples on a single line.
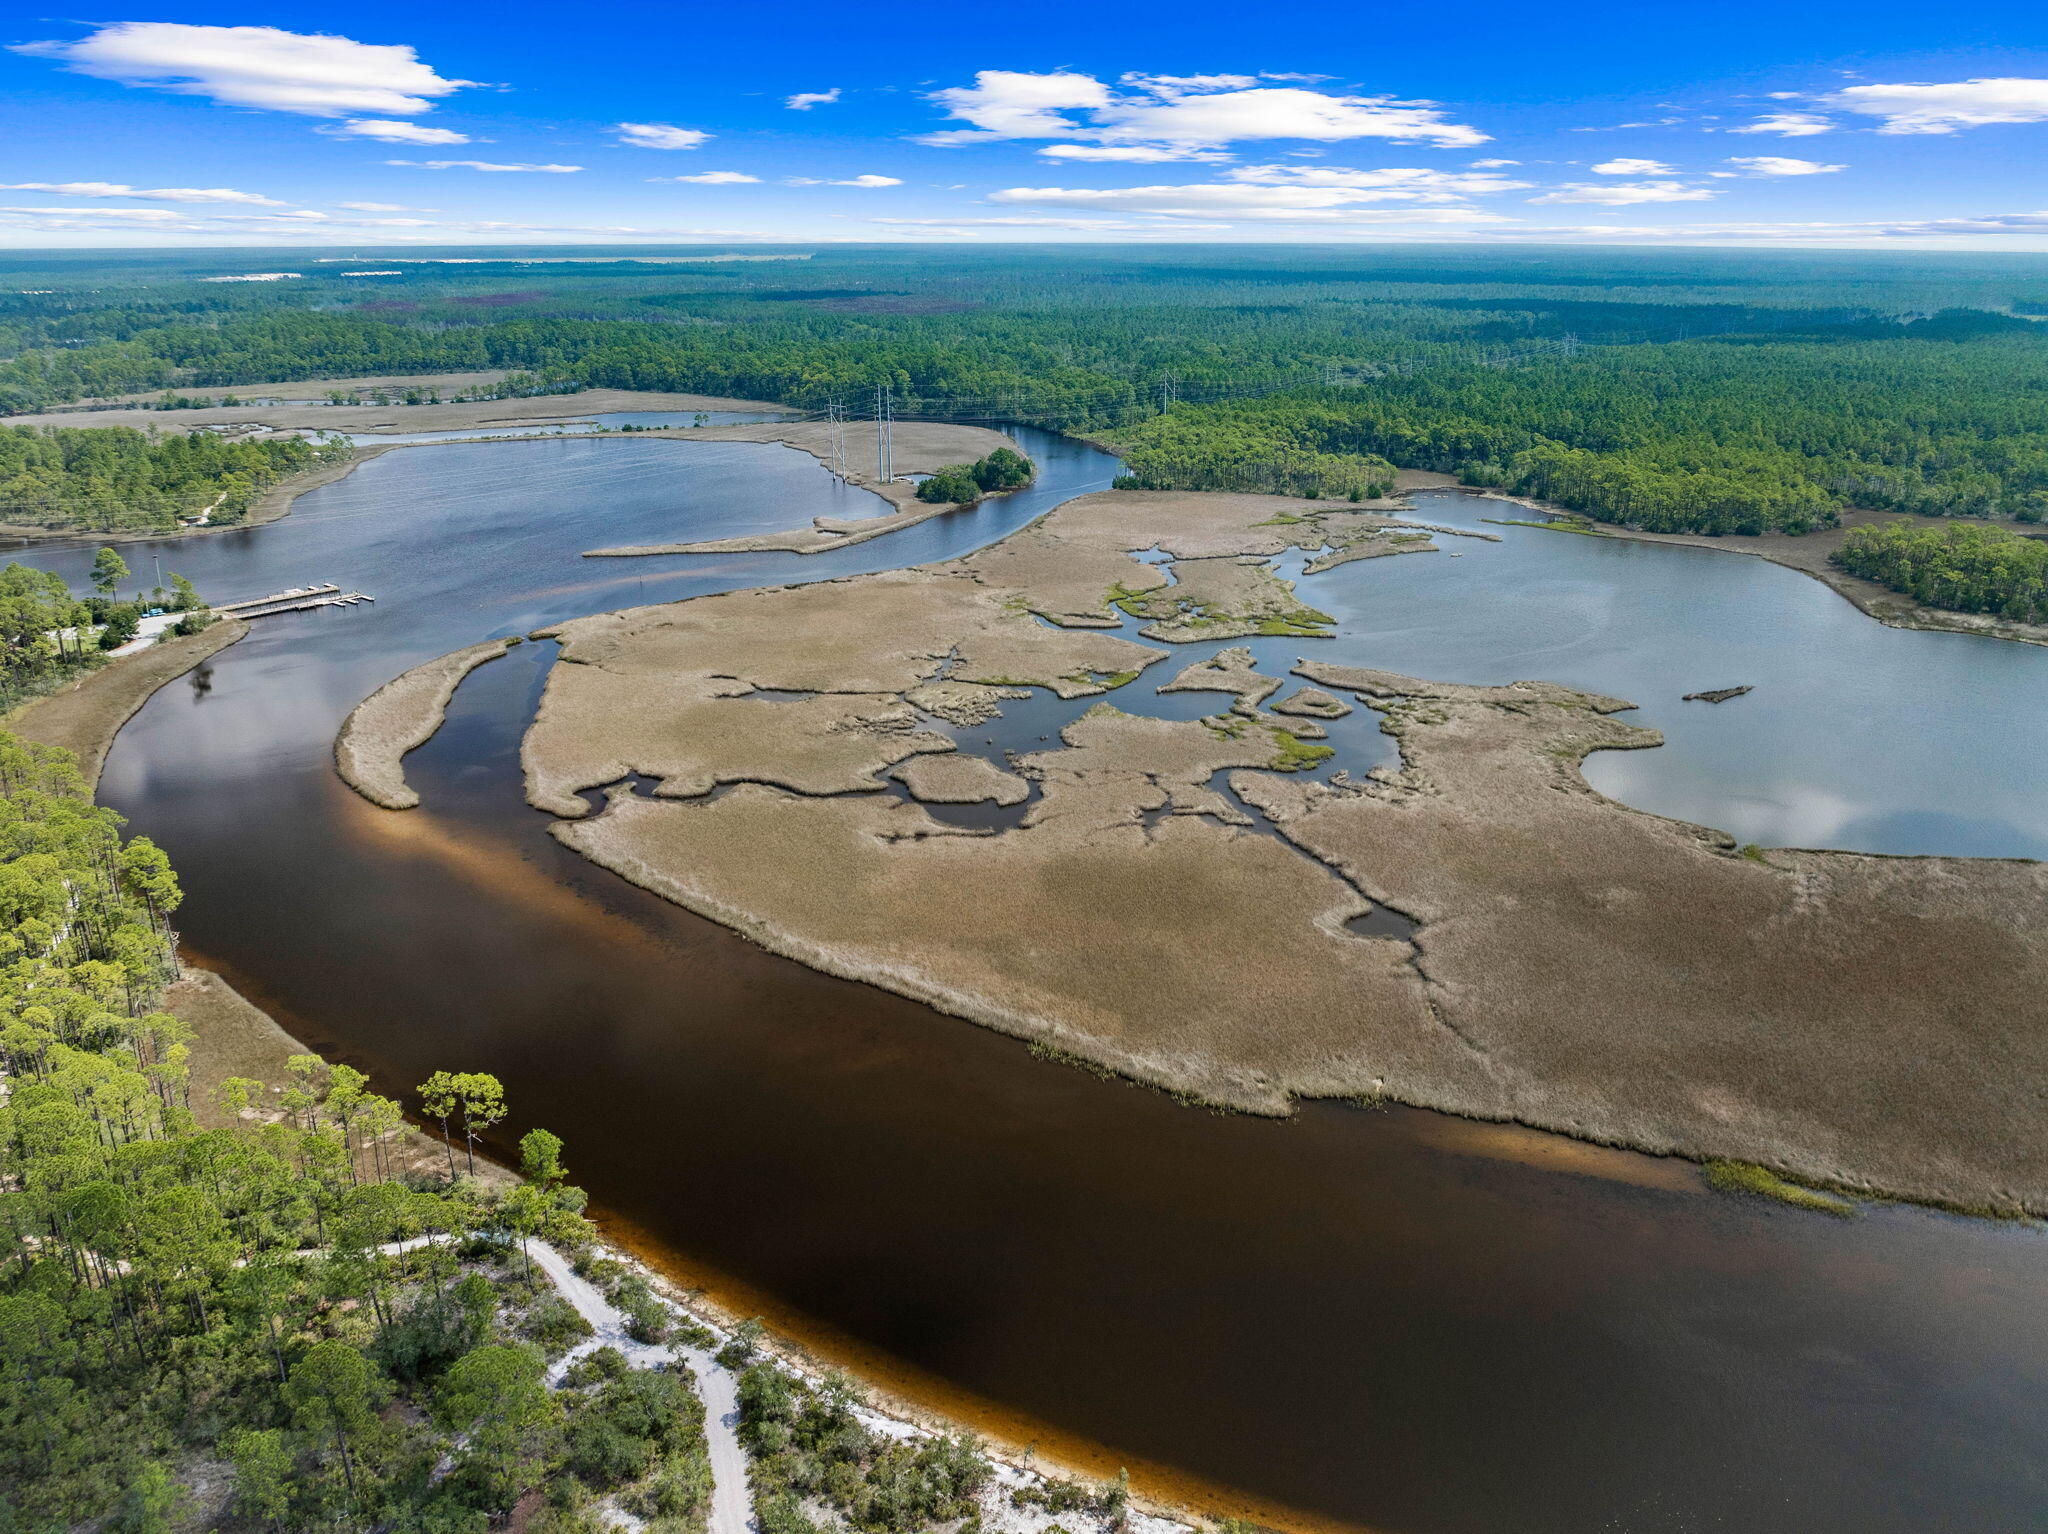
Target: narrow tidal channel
[(1377, 1318)]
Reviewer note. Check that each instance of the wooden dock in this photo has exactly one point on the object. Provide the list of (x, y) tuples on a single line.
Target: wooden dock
[(298, 599)]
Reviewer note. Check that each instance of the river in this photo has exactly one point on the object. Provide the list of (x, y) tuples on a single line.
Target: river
[(1383, 1318)]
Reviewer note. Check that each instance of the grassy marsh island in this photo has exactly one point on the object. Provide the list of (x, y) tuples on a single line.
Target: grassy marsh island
[(1790, 1021)]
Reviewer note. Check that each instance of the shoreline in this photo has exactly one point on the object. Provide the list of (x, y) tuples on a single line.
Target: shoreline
[(1778, 1061), (1807, 553), (920, 446), (662, 1264), (85, 715), (235, 1036)]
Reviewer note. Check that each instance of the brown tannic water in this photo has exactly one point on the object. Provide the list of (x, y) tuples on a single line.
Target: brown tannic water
[(1380, 1318)]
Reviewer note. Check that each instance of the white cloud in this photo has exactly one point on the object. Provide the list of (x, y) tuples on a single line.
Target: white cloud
[(1864, 233), (1143, 154), (1279, 112), (155, 194), (867, 181), (803, 101), (1780, 165), (553, 170), (1391, 184), (123, 215), (1945, 108), (1627, 167), (1789, 125), (713, 178), (1622, 193), (386, 131), (1004, 103), (375, 207), (658, 136), (1493, 164), (1291, 202), (321, 76), (1179, 111), (1023, 221)]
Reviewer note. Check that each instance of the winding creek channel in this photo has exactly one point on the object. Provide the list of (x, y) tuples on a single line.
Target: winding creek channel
[(1377, 1318)]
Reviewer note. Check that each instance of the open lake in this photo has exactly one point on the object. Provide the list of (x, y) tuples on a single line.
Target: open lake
[(1388, 1319)]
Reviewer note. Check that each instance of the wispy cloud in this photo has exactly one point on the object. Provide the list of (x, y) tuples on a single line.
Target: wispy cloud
[(147, 194), (388, 131), (861, 181), (1627, 167), (712, 178), (1781, 165), (1293, 201), (803, 101), (1788, 125), (490, 165), (659, 136), (1138, 154), (1623, 193)]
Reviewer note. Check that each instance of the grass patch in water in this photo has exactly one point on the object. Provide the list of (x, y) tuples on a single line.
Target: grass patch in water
[(1746, 1177), (1296, 754), (1561, 525), (1302, 623)]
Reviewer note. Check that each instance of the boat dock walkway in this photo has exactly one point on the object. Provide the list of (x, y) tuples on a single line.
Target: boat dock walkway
[(298, 599)]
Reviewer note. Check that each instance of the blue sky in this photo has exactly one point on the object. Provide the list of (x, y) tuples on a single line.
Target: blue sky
[(1876, 124)]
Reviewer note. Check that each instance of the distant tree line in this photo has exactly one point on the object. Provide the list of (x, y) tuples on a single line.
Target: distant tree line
[(1668, 405)]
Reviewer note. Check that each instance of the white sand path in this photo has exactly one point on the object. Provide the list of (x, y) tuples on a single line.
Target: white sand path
[(732, 1501)]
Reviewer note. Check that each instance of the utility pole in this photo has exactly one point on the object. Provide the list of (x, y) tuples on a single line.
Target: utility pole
[(1169, 392), (836, 413), (885, 413)]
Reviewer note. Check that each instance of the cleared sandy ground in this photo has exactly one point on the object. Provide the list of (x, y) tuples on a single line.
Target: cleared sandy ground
[(305, 407), (85, 716), (399, 717)]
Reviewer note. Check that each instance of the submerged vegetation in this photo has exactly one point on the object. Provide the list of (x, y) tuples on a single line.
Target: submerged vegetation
[(1746, 1177)]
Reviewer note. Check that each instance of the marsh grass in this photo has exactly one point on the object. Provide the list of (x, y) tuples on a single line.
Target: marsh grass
[(1746, 1177)]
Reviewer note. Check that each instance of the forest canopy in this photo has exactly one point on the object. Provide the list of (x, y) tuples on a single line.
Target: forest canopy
[(1704, 391), (1966, 568), (116, 479)]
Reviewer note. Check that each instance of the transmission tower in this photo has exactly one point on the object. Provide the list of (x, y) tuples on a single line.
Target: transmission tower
[(1169, 391), (885, 414), (835, 412)]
